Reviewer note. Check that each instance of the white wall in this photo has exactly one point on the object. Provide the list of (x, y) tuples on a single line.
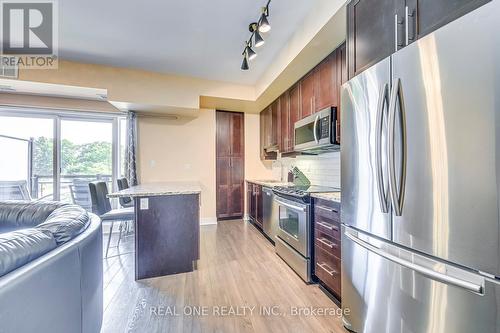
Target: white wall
[(319, 169)]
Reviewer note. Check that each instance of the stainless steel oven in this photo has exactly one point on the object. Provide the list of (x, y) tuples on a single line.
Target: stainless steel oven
[(317, 133), (294, 234)]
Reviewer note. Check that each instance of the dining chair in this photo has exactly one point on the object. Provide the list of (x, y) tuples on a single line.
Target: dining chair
[(101, 206), (122, 185)]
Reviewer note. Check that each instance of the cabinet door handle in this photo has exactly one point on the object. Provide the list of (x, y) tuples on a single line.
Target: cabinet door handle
[(326, 242), (327, 269), (396, 35), (328, 226), (406, 25)]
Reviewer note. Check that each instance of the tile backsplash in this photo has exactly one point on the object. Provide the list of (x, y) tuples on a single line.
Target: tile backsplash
[(321, 169)]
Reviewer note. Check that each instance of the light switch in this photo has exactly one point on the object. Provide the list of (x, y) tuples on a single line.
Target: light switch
[(144, 203), (152, 163)]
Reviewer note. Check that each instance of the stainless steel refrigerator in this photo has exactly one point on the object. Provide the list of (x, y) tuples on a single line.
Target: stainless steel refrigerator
[(420, 184)]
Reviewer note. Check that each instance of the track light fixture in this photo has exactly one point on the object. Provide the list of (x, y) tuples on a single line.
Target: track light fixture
[(264, 25), (259, 41), (251, 53), (256, 28), (244, 65)]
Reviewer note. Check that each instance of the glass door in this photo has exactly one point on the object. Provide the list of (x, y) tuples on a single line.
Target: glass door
[(86, 155), (294, 224), (27, 158)]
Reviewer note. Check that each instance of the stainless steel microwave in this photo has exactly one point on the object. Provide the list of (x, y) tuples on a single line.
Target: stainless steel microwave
[(317, 133)]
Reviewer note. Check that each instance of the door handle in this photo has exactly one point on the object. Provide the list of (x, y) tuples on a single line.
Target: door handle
[(315, 129), (406, 25), (396, 35), (428, 272), (397, 195), (383, 101)]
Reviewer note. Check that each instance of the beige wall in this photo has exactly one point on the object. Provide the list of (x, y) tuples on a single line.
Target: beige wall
[(184, 149)]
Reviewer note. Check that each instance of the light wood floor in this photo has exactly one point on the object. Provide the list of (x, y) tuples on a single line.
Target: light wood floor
[(238, 268)]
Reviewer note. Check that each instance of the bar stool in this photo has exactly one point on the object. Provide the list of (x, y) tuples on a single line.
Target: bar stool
[(101, 206)]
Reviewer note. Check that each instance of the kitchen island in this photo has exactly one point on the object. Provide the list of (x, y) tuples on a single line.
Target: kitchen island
[(167, 228)]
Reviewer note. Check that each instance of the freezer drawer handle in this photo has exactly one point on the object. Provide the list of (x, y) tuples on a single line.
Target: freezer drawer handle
[(440, 277), (331, 245), (327, 269), (328, 226)]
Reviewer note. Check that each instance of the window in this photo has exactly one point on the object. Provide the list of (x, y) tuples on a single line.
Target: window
[(54, 156)]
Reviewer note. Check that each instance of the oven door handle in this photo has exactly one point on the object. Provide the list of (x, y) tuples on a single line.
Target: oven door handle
[(294, 207)]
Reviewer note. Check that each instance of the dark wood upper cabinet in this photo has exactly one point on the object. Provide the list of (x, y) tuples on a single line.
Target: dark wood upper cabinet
[(307, 90), (378, 28), (294, 109), (317, 90), (326, 91), (284, 122), (425, 16), (371, 32), (274, 123), (230, 151)]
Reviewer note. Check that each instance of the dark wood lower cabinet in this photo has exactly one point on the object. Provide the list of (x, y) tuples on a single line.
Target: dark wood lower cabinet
[(254, 203), (327, 245), (230, 164), (166, 235)]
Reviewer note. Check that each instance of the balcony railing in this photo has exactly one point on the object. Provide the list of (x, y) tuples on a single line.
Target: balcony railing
[(43, 185)]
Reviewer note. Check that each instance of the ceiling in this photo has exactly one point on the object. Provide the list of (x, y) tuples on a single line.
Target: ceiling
[(197, 38)]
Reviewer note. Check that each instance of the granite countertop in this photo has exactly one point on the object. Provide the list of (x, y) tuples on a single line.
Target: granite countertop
[(331, 196), (268, 183), (158, 189)]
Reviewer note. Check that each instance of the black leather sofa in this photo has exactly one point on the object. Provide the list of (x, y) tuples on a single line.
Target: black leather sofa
[(50, 268)]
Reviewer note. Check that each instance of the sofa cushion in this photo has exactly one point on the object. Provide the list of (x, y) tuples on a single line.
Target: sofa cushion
[(22, 246), (66, 222), (16, 215)]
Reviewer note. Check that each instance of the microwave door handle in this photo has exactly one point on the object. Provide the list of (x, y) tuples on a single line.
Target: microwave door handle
[(379, 127), (315, 129)]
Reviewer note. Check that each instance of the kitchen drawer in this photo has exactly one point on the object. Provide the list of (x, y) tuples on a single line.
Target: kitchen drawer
[(327, 269), (327, 242), (327, 209), (327, 225)]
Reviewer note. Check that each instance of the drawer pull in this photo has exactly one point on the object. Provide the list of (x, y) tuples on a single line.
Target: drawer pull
[(328, 209), (331, 245), (328, 226), (327, 269)]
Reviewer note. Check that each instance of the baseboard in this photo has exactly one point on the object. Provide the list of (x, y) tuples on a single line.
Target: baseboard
[(208, 220)]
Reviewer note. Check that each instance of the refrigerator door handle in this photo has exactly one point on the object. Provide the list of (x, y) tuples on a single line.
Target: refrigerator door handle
[(397, 195), (428, 272), (383, 102)]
